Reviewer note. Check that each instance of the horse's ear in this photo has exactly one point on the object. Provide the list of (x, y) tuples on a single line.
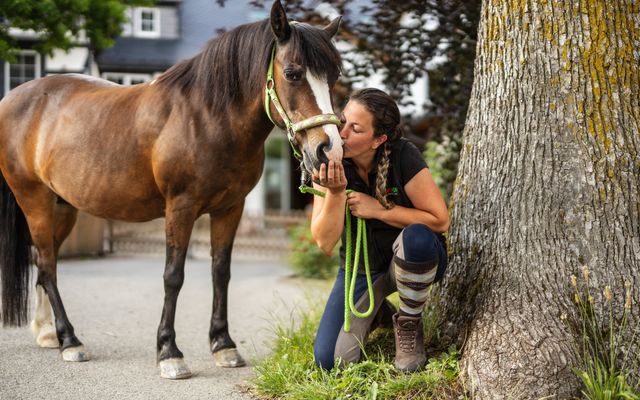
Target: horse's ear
[(279, 24), (333, 27)]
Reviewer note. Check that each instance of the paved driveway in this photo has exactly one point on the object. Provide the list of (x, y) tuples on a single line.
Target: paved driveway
[(115, 303)]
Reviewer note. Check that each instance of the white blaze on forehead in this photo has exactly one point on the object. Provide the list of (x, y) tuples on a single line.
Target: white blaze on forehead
[(320, 89)]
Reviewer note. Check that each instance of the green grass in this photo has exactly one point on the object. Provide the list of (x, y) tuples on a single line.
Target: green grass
[(290, 372), (606, 343)]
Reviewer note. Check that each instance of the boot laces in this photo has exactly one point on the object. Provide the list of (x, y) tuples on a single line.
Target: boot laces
[(407, 334)]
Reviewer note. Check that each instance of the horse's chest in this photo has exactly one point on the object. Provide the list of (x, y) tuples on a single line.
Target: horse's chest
[(231, 184)]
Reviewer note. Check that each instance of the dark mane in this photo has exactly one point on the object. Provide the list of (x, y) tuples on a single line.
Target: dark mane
[(312, 48), (233, 66)]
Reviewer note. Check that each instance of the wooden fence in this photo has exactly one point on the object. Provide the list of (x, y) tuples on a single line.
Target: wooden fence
[(258, 237)]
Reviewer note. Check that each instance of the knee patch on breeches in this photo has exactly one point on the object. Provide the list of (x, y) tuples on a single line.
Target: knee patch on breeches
[(416, 248)]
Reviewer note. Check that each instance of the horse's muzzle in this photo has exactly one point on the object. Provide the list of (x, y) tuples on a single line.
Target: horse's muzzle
[(322, 153)]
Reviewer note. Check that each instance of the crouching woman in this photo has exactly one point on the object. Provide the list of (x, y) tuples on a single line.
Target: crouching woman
[(392, 189)]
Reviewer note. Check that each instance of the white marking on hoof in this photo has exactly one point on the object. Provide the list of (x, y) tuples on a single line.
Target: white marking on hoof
[(75, 354), (174, 368), (45, 335), (228, 358)]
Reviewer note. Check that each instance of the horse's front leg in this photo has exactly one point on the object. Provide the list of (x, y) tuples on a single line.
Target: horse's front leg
[(178, 226), (223, 230)]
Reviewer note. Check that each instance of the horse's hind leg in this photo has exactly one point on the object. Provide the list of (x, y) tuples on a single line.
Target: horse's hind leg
[(37, 204), (223, 230), (43, 326)]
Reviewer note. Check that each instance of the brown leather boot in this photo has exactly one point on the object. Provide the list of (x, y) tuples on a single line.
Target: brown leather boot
[(410, 354)]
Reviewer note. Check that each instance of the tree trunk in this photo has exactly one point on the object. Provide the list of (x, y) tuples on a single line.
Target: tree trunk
[(548, 182)]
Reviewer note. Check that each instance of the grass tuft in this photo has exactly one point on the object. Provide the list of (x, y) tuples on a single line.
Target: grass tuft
[(290, 372), (606, 343)]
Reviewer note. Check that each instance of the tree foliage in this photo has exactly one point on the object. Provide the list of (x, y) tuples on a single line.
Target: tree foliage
[(58, 22), (401, 41), (451, 80), (397, 39)]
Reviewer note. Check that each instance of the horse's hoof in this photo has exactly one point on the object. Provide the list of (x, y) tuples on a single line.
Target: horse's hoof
[(45, 335), (174, 368), (75, 354), (229, 358)]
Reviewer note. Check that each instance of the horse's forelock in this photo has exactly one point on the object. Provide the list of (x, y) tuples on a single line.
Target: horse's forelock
[(312, 47)]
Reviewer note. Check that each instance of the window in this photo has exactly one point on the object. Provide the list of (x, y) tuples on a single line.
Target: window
[(126, 79), (146, 22), (26, 68)]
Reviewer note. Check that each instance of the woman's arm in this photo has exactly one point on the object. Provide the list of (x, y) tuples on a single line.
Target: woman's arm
[(430, 207), (327, 218)]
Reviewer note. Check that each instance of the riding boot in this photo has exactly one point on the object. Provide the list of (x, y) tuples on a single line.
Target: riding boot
[(410, 354)]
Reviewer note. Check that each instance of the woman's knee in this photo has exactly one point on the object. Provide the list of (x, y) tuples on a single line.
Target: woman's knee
[(417, 244)]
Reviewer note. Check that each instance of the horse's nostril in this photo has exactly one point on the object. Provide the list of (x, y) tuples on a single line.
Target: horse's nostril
[(321, 152)]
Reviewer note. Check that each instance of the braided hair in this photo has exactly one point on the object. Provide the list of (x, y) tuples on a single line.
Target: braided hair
[(386, 121)]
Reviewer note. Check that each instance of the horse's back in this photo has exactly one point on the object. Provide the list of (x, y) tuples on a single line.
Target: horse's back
[(34, 102), (79, 136)]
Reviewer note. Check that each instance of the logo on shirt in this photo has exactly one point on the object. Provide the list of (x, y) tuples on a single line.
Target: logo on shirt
[(392, 191)]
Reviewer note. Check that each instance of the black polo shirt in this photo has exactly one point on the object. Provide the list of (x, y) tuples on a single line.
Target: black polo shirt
[(406, 162)]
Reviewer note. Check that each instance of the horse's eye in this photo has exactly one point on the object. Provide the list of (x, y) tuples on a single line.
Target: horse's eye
[(291, 74)]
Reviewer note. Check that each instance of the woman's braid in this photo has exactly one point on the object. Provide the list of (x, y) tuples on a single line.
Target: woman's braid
[(381, 180)]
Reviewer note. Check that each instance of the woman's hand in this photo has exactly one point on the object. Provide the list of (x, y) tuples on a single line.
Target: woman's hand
[(364, 206), (331, 177)]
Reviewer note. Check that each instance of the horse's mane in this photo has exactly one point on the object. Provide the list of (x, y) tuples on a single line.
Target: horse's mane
[(233, 66)]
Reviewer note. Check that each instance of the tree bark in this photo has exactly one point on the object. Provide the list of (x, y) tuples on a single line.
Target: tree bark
[(548, 182)]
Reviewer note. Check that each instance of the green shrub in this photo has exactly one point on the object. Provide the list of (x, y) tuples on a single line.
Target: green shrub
[(442, 158), (307, 259)]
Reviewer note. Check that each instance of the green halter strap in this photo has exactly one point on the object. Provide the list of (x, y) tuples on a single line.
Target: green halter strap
[(351, 270)]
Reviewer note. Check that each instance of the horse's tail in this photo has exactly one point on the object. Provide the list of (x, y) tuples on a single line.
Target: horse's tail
[(15, 258)]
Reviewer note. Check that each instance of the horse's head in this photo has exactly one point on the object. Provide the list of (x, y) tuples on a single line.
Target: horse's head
[(304, 66)]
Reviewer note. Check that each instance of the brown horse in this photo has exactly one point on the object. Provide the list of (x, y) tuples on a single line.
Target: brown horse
[(189, 143)]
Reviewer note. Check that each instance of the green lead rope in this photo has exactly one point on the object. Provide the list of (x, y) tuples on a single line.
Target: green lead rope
[(350, 274)]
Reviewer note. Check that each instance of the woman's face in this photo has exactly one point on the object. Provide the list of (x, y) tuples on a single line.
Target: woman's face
[(357, 131)]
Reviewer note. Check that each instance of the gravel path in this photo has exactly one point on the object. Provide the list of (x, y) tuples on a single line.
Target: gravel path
[(115, 303)]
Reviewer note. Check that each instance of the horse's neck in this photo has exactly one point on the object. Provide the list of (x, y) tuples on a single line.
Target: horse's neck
[(249, 123), (240, 127)]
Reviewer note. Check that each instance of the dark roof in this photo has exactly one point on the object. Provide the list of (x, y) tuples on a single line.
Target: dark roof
[(200, 20), (138, 55)]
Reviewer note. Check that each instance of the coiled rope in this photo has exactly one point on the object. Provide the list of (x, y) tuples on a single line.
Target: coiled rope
[(351, 270)]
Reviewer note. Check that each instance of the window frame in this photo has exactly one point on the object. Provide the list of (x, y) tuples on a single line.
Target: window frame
[(137, 22), (37, 68)]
